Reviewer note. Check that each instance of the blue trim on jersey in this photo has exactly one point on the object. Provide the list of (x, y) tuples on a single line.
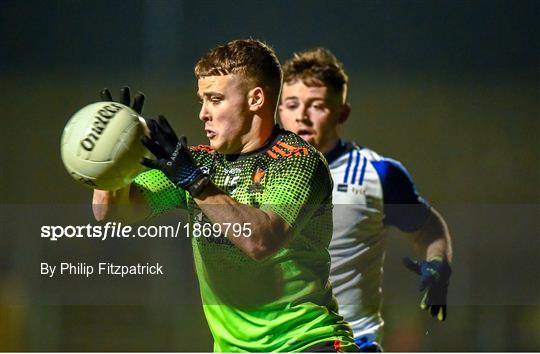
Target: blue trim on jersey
[(355, 170), (403, 207), (349, 161), (363, 172)]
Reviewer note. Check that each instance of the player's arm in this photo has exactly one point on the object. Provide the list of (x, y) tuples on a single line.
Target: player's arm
[(405, 209), (432, 241), (268, 231), (433, 238), (126, 205)]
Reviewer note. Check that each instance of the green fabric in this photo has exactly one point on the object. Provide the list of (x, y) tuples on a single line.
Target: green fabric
[(285, 302)]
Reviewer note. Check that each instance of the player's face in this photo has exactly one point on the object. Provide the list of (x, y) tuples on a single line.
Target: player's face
[(224, 112), (311, 112)]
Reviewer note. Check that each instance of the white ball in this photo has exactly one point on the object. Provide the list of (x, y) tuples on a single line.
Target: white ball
[(101, 146)]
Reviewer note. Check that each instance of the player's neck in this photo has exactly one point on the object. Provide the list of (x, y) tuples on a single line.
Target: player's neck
[(329, 145), (261, 130)]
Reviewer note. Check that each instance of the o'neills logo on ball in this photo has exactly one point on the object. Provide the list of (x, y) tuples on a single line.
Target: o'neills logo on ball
[(101, 119)]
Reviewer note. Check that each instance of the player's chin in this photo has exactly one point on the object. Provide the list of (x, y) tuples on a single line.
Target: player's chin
[(310, 139), (216, 145), (212, 140)]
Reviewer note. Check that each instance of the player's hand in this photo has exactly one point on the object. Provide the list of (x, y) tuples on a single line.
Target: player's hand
[(125, 98), (173, 157), (434, 277)]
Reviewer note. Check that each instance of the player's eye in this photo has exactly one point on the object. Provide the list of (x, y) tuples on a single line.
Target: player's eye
[(318, 106), (215, 99), (291, 106)]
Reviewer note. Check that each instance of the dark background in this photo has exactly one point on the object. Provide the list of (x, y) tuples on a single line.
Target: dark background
[(450, 88)]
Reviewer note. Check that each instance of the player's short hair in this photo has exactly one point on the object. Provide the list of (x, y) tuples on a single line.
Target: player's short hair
[(254, 60), (317, 67)]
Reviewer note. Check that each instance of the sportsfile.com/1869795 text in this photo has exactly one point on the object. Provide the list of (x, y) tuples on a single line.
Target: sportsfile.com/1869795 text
[(114, 230)]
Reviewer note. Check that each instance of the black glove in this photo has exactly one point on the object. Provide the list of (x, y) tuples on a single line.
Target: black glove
[(434, 276), (138, 100), (173, 157)]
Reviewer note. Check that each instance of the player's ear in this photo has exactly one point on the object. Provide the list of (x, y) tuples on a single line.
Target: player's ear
[(256, 98), (345, 110)]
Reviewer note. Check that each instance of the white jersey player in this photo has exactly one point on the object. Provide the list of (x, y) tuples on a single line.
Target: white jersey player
[(370, 194)]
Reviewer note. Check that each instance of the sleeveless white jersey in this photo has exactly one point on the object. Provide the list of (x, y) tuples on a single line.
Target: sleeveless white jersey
[(370, 193)]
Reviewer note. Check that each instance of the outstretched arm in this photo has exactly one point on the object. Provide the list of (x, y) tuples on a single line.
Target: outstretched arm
[(405, 209), (433, 242), (433, 239)]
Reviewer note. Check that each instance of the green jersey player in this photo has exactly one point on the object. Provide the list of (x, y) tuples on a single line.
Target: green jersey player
[(263, 195)]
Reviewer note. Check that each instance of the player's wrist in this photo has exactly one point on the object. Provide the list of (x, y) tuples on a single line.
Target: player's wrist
[(436, 259), (198, 185), (441, 266)]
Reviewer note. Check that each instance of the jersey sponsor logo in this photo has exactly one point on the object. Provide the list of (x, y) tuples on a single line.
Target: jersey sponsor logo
[(358, 190), (282, 149), (342, 187), (232, 171)]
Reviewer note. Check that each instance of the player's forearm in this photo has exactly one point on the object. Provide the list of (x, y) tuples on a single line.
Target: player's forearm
[(121, 205), (433, 239), (102, 202), (268, 231)]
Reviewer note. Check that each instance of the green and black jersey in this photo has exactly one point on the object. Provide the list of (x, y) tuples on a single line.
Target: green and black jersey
[(285, 302)]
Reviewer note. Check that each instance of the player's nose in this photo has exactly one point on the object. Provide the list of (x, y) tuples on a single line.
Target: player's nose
[(302, 115), (204, 114)]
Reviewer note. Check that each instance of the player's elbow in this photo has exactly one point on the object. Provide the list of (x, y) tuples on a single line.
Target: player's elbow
[(260, 251), (99, 215), (270, 238), (259, 255), (265, 247)]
